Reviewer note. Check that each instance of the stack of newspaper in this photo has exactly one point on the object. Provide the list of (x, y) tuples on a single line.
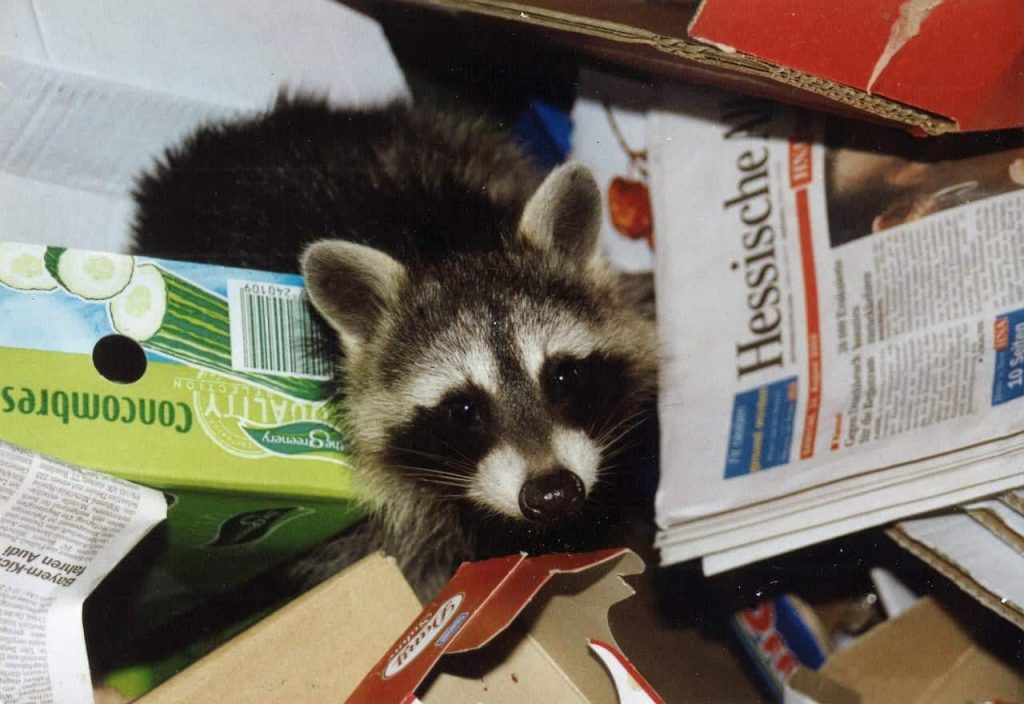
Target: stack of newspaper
[(842, 317)]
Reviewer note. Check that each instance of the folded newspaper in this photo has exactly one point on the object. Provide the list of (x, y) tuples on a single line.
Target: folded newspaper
[(842, 317), (62, 529)]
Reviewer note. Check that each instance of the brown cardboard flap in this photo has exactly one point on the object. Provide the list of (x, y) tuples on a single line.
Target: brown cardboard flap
[(316, 649), (512, 627), (923, 656)]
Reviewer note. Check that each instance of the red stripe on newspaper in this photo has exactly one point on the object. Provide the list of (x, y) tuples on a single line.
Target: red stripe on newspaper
[(803, 217)]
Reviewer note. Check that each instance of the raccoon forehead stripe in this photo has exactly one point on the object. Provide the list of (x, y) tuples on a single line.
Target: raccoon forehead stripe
[(537, 344), (452, 370)]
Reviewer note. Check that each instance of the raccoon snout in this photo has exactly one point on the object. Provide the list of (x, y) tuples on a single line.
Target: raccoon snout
[(551, 496)]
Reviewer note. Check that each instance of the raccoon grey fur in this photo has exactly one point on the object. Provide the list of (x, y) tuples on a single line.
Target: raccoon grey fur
[(490, 362)]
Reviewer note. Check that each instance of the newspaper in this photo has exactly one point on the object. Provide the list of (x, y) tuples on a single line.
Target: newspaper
[(62, 529), (842, 319)]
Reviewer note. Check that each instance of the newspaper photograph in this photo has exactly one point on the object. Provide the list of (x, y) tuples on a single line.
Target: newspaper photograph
[(847, 305)]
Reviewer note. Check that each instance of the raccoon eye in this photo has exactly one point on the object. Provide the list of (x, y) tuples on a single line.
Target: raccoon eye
[(565, 377), (462, 411)]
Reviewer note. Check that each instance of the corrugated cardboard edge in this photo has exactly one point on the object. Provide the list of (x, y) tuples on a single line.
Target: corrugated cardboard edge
[(705, 55), (956, 575), (991, 520), (359, 612)]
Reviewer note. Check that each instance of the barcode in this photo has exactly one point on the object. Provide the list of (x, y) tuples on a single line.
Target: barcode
[(273, 332)]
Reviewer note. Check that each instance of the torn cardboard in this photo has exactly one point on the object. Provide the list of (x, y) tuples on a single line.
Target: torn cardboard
[(653, 37), (921, 657), (320, 647), (543, 658)]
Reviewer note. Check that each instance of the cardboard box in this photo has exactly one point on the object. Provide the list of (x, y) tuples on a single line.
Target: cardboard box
[(891, 48), (203, 381), (320, 647), (922, 656), (800, 51)]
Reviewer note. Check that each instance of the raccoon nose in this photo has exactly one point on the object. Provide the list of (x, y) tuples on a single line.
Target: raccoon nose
[(551, 496)]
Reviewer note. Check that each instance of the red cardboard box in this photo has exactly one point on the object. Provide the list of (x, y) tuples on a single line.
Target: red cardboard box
[(962, 60), (951, 66), (565, 598)]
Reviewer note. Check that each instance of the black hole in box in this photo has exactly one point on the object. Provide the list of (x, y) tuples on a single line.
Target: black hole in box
[(119, 359)]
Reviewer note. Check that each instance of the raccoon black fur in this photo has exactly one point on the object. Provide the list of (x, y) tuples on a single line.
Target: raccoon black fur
[(490, 362)]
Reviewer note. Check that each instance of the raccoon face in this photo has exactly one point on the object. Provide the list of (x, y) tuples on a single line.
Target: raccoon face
[(520, 422), (504, 379)]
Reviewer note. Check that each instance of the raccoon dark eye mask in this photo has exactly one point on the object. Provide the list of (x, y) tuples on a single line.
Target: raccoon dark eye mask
[(587, 393), (445, 440)]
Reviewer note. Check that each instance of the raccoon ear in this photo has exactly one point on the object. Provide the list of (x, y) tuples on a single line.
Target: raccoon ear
[(351, 285), (565, 213)]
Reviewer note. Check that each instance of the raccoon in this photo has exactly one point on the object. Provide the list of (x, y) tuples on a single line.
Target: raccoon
[(490, 362)]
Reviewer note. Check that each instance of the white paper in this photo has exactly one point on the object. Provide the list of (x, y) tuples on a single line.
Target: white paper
[(95, 91), (62, 529)]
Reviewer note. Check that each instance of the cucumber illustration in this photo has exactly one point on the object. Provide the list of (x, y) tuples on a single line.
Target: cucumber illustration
[(139, 310), (94, 276), (23, 266), (173, 316)]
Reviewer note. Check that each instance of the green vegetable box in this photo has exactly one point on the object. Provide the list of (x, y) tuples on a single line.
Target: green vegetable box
[(203, 381)]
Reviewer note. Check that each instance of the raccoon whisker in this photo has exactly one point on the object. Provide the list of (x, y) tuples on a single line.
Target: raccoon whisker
[(433, 456), (624, 433), (451, 497), (461, 455), (592, 429), (438, 481), (457, 494), (427, 455), (455, 463), (621, 429), (432, 470), (616, 455), (622, 403), (436, 476)]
